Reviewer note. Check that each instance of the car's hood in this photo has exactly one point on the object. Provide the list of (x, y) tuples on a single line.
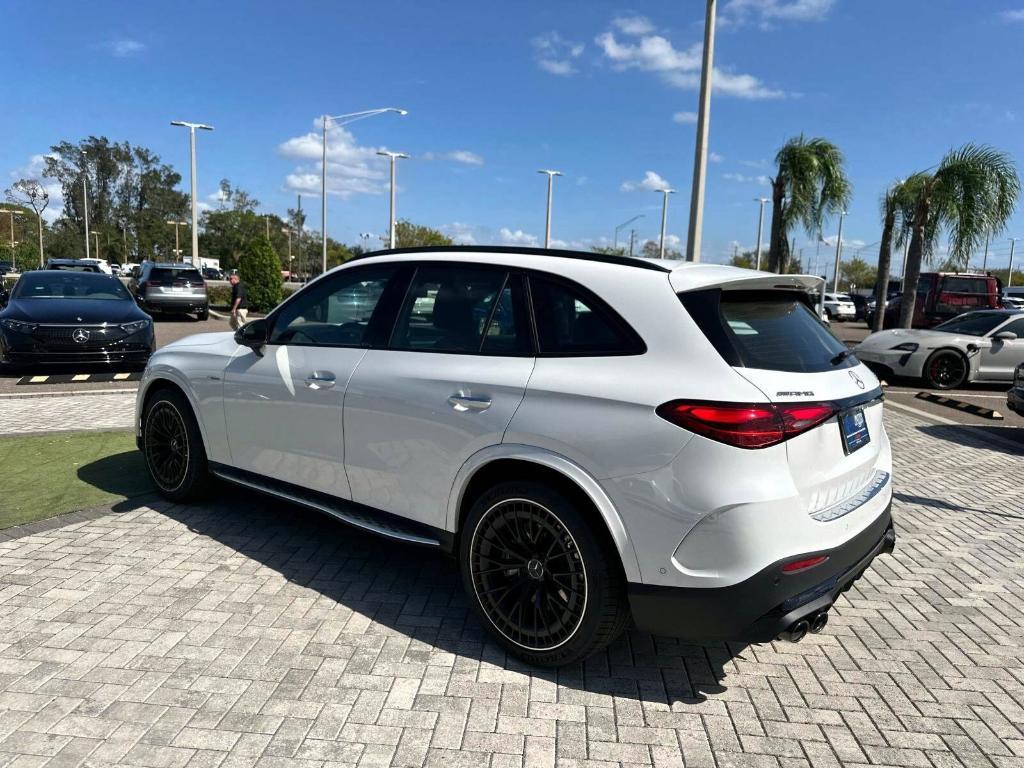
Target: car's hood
[(926, 338), (71, 311), (201, 340)]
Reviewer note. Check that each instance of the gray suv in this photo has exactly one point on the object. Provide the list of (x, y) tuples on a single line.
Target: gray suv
[(171, 288)]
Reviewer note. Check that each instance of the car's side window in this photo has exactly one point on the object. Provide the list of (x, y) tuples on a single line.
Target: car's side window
[(572, 322), (458, 308), (335, 312), (1017, 326)]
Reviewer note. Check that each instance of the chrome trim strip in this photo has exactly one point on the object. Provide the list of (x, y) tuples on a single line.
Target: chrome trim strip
[(878, 482), (354, 521)]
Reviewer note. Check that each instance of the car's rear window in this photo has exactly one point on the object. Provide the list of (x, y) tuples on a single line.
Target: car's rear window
[(170, 275), (771, 330)]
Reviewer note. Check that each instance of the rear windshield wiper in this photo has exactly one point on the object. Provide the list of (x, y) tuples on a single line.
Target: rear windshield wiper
[(841, 356)]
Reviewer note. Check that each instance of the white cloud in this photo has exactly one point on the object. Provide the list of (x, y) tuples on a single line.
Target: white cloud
[(1015, 16), (681, 69), (463, 156), (507, 236), (633, 25), (33, 169), (766, 12), (555, 54), (685, 118), (581, 180), (714, 157), (853, 243), (125, 47), (651, 181), (351, 168), (460, 232), (742, 179)]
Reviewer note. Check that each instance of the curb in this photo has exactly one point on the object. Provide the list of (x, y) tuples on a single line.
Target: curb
[(86, 392), (961, 405)]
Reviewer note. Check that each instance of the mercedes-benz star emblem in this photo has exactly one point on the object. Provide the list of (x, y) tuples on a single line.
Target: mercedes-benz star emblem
[(857, 379), (80, 336)]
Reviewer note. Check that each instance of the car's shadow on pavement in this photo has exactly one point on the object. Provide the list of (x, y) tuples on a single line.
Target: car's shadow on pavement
[(1008, 439), (416, 591)]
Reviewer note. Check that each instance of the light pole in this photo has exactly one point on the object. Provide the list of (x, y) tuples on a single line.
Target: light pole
[(298, 231), (339, 120), (124, 237), (12, 212), (391, 228), (192, 154), (700, 155), (85, 200), (288, 231), (547, 220), (632, 239), (177, 246), (984, 259), (96, 235), (664, 220), (1009, 274), (760, 229), (266, 220), (839, 253), (622, 226)]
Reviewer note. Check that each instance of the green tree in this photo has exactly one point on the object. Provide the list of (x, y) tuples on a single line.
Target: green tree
[(809, 184), (894, 203), (745, 260), (856, 273), (609, 250), (971, 194), (260, 270), (30, 193), (409, 235), (652, 250)]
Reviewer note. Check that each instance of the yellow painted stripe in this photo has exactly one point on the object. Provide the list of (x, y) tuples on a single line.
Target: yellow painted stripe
[(121, 376), (38, 379), (80, 377)]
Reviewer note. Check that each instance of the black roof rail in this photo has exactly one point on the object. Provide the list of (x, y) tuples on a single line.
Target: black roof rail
[(604, 258)]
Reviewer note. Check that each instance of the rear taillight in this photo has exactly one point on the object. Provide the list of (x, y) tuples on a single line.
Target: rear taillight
[(795, 566), (746, 425)]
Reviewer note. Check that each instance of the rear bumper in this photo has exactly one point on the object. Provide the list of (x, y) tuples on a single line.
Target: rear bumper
[(760, 608), (186, 303)]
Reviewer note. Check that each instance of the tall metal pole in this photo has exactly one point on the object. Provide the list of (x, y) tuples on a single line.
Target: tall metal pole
[(664, 220), (11, 212), (839, 253), (97, 236), (192, 161), (1009, 274), (298, 230), (39, 215), (903, 266), (632, 238), (984, 259), (323, 197), (85, 208), (700, 155), (760, 230), (547, 217), (395, 156), (288, 231)]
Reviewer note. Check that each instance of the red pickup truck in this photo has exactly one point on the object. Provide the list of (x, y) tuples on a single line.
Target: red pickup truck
[(942, 295)]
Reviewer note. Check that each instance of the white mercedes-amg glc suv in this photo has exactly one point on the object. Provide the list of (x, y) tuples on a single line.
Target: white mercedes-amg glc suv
[(593, 438)]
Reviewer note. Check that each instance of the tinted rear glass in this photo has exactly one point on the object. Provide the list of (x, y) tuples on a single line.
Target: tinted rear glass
[(771, 330), (165, 275)]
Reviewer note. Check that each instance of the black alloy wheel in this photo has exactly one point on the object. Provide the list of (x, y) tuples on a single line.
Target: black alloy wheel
[(945, 369), (173, 447)]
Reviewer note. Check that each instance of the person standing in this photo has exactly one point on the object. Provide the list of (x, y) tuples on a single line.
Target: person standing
[(239, 301)]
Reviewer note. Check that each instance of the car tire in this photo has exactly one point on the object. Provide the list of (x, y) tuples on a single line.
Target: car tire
[(513, 537), (172, 446), (828, 314), (945, 369), (203, 314)]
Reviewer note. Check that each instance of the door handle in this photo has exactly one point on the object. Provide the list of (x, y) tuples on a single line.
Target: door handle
[(320, 380), (463, 403)]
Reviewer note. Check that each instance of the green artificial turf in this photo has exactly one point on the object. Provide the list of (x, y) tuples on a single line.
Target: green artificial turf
[(46, 475)]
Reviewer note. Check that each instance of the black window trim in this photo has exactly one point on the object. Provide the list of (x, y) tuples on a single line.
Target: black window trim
[(519, 306), (637, 346), (377, 318)]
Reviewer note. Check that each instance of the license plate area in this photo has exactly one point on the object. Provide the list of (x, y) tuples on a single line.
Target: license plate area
[(853, 427)]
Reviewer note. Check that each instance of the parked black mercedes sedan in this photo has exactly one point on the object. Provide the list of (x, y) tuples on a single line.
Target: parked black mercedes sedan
[(56, 316)]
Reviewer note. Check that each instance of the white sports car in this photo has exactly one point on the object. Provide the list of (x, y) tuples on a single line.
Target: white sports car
[(983, 346)]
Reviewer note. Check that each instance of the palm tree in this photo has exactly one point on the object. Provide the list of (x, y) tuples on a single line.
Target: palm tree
[(971, 194), (810, 183), (894, 202)]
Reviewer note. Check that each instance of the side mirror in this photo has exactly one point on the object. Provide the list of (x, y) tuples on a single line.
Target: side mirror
[(1005, 336), (253, 335)]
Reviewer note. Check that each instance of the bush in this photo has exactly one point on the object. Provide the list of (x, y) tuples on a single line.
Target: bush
[(260, 270)]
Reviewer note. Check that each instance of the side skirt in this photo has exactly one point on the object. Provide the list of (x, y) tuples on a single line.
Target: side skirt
[(350, 512)]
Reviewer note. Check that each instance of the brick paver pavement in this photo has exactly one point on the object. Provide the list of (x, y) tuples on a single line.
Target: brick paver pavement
[(249, 633), (23, 415)]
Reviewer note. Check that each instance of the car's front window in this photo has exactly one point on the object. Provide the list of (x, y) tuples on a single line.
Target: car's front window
[(972, 323), (61, 284)]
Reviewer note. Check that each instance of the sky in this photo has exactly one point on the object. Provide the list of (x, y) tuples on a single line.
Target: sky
[(602, 91)]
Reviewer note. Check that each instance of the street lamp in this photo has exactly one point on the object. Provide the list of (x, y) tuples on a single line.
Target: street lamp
[(85, 198), (700, 160), (394, 156), (547, 220), (664, 220), (621, 226), (192, 154), (176, 224), (339, 120), (760, 229), (839, 252)]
